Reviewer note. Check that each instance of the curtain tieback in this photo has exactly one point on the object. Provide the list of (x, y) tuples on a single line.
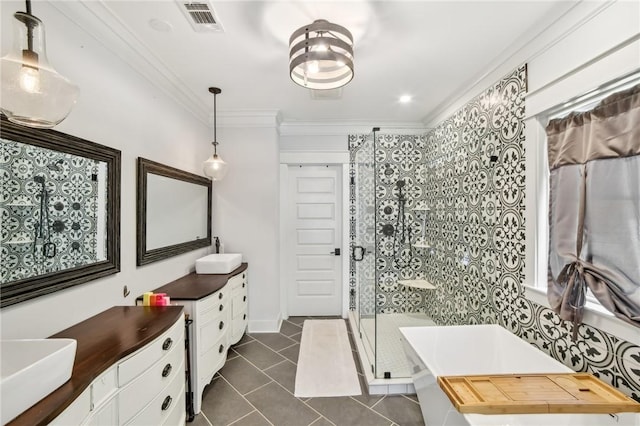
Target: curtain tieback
[(573, 279)]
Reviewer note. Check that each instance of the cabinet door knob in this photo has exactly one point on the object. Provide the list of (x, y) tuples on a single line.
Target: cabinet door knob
[(220, 296), (221, 308), (167, 344), (221, 325), (244, 285), (244, 298), (220, 349), (243, 275), (166, 403), (244, 317), (166, 370)]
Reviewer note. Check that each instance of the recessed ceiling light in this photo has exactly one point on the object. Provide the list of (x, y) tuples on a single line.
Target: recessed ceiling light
[(405, 99), (160, 25)]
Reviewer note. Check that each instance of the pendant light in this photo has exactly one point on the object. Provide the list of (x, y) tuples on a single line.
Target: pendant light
[(33, 93), (215, 167), (321, 56)]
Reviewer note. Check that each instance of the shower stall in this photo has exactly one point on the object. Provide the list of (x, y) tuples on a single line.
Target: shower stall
[(390, 241)]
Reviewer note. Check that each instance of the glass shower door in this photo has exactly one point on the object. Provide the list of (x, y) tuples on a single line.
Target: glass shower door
[(364, 248)]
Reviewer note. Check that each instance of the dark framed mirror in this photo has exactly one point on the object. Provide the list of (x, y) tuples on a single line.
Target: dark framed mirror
[(173, 212), (60, 207)]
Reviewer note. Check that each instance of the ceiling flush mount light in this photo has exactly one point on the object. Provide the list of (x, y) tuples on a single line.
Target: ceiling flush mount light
[(321, 56), (215, 167), (33, 93), (405, 99)]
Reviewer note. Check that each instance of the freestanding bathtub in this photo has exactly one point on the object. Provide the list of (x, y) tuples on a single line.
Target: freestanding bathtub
[(483, 349)]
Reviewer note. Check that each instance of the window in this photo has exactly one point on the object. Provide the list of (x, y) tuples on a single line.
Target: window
[(541, 196)]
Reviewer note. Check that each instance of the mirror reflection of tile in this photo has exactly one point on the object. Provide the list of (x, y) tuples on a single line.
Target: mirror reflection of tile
[(50, 214)]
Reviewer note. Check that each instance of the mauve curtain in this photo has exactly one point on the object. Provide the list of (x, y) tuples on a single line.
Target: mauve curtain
[(594, 209)]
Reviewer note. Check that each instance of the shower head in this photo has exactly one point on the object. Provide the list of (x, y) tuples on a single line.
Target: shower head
[(400, 183), (39, 179)]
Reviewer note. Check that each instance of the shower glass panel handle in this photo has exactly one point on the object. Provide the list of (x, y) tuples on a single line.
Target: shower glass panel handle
[(335, 252), (357, 253)]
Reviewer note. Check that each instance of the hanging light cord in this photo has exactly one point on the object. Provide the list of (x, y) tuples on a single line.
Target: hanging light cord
[(215, 92), (29, 26), (215, 137)]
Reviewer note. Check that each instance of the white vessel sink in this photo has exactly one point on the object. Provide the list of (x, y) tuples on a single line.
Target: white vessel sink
[(31, 369), (218, 263)]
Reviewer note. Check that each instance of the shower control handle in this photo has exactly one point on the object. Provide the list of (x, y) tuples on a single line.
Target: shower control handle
[(357, 253), (335, 252)]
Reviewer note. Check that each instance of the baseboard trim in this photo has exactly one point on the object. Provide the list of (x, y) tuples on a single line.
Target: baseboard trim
[(266, 326)]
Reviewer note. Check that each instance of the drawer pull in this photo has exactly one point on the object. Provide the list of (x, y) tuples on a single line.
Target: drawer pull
[(221, 325), (166, 370), (244, 317), (166, 403), (244, 299), (220, 349), (220, 296), (167, 344), (221, 308)]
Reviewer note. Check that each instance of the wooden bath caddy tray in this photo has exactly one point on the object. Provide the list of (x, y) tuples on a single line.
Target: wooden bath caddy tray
[(534, 393)]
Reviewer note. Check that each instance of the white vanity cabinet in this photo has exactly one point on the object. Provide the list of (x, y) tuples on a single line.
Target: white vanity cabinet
[(144, 388), (239, 321), (217, 305), (151, 381), (129, 370), (211, 319)]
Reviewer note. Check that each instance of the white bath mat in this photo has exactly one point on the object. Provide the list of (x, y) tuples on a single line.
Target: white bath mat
[(325, 364)]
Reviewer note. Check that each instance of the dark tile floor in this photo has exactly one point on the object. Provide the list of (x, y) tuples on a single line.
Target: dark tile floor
[(256, 385)]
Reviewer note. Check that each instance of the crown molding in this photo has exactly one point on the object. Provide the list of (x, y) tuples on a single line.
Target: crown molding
[(348, 127), (524, 49), (249, 118), (101, 23)]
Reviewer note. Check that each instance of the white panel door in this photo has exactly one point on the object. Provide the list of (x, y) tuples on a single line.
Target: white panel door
[(314, 215)]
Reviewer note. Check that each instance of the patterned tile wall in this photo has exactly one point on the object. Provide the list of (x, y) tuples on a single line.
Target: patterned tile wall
[(475, 186), (474, 182), (68, 218)]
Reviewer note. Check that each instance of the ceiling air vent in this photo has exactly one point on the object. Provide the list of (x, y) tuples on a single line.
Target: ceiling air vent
[(201, 16), (326, 94)]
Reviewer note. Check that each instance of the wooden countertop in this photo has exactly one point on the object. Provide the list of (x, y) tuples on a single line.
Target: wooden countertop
[(197, 286), (102, 340)]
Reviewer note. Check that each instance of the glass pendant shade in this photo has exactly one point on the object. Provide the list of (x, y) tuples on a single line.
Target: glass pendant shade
[(215, 167), (33, 93), (321, 56)]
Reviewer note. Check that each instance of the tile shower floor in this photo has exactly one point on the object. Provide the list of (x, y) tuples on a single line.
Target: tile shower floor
[(256, 385), (390, 356)]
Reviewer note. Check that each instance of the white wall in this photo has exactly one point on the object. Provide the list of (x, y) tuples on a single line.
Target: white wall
[(120, 109), (246, 214)]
